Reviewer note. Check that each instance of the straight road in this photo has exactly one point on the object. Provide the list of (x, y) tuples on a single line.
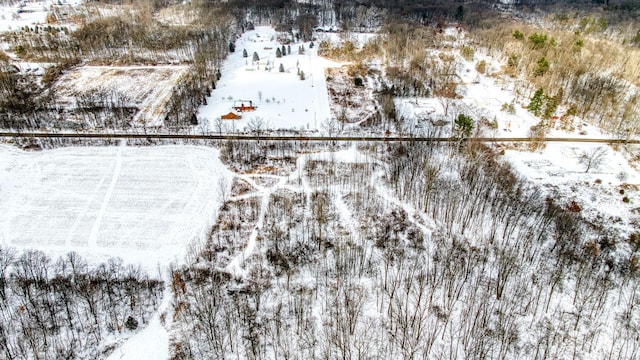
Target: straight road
[(258, 137)]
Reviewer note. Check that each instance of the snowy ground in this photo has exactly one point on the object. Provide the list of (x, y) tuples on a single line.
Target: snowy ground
[(145, 205), (27, 13), (283, 100), (484, 97), (607, 194), (148, 88)]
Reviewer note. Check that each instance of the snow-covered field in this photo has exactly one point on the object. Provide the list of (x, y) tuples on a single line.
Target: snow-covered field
[(283, 100), (145, 205), (148, 88)]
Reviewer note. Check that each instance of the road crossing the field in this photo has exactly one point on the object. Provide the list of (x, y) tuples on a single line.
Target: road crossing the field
[(265, 137)]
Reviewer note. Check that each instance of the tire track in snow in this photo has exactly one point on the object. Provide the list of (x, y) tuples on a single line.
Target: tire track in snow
[(235, 265), (345, 215), (427, 225), (93, 237), (77, 221)]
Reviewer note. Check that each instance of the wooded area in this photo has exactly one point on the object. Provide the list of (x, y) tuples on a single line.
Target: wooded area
[(477, 265), (63, 308)]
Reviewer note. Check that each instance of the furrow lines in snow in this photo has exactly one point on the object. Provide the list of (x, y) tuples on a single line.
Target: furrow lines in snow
[(93, 237)]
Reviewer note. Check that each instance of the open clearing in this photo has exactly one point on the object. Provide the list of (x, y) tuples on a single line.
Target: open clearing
[(283, 100), (147, 88), (145, 205)]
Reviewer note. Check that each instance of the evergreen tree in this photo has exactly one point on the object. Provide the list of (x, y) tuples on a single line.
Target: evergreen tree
[(244, 53), (256, 58), (460, 13), (463, 125), (551, 105), (538, 40), (518, 35), (311, 45), (278, 53), (281, 69), (537, 101), (542, 66)]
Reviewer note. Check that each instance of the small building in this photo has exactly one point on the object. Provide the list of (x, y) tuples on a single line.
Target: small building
[(241, 105), (231, 116)]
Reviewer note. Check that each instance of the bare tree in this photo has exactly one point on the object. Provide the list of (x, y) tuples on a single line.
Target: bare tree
[(593, 158), (330, 126), (257, 125)]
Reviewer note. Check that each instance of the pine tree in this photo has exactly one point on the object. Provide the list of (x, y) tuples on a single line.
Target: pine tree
[(551, 106), (256, 58), (244, 53), (542, 66), (464, 125), (278, 53), (281, 69), (460, 13), (537, 101), (518, 35)]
